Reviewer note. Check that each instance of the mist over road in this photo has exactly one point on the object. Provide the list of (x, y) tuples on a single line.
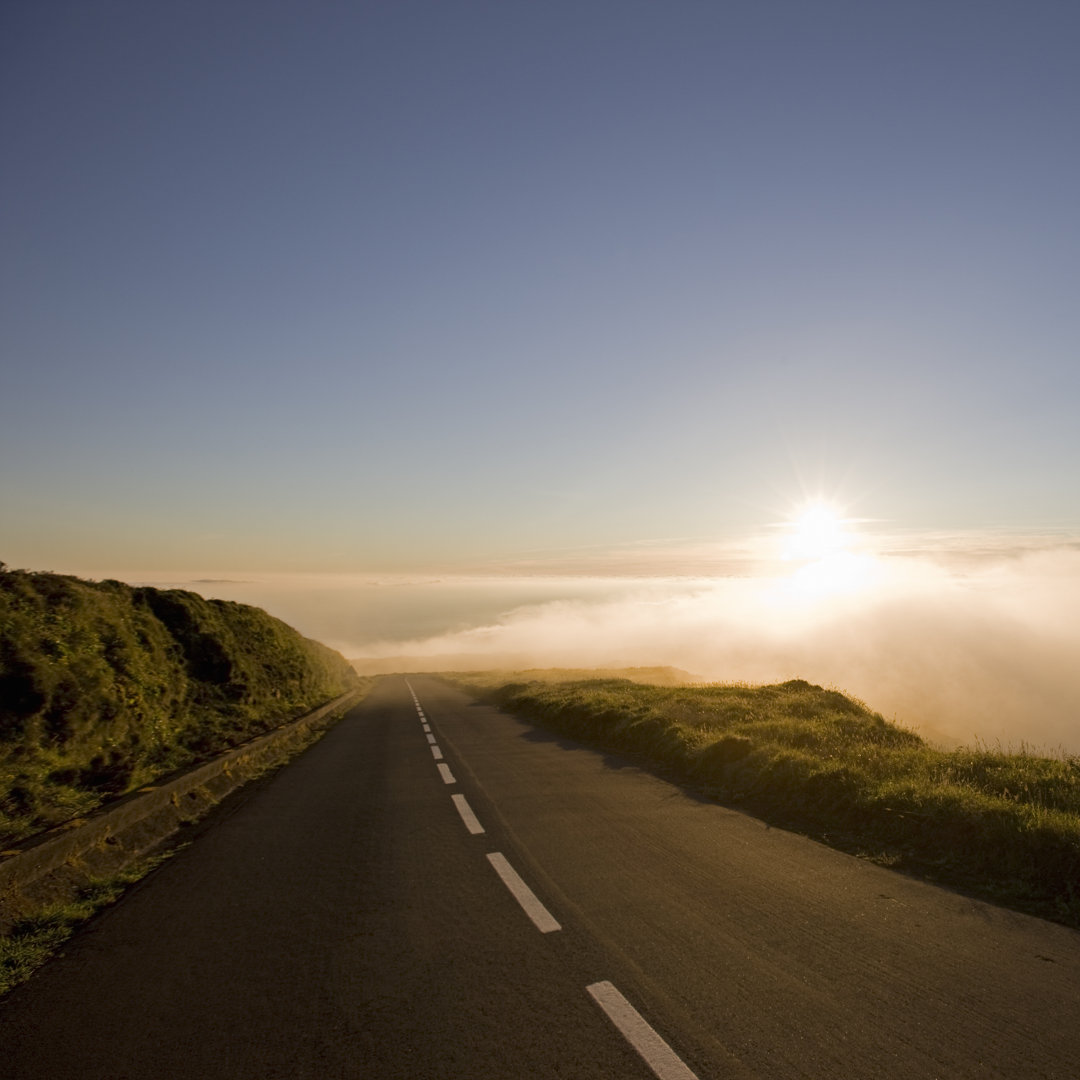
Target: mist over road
[(438, 890)]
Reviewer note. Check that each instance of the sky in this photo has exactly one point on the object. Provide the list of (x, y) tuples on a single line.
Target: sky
[(411, 320)]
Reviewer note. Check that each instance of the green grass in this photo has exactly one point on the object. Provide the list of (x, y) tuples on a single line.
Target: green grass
[(32, 940), (105, 687), (1003, 826)]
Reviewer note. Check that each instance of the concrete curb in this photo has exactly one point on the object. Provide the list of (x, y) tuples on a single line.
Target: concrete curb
[(51, 868)]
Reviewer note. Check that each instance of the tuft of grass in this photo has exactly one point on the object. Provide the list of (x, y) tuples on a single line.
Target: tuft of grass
[(32, 940), (1004, 826)]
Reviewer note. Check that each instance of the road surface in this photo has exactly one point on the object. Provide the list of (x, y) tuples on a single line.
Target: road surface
[(437, 890)]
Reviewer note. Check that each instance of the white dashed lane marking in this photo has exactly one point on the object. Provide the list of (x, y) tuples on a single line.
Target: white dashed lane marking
[(542, 919), (654, 1051), (472, 823), (663, 1061)]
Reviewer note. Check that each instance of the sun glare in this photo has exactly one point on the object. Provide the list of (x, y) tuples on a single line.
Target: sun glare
[(817, 532), (820, 540)]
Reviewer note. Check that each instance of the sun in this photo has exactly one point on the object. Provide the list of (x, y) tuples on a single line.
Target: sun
[(818, 532), (821, 541)]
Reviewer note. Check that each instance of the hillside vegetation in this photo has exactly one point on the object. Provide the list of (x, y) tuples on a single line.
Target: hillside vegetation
[(104, 687), (1005, 826)]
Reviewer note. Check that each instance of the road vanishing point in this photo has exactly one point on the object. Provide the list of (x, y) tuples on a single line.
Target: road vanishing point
[(437, 889)]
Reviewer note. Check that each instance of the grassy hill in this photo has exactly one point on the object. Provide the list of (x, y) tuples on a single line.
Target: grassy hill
[(104, 687), (1004, 826)]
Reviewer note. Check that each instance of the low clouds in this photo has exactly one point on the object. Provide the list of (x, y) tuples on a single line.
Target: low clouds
[(973, 646), (962, 637)]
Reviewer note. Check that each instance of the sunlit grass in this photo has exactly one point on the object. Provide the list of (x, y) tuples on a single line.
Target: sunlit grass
[(35, 937), (1002, 825), (105, 687), (32, 940)]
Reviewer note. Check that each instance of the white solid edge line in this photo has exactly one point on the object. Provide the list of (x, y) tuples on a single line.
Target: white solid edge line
[(446, 774), (436, 753), (430, 737), (542, 919), (472, 822), (663, 1061)]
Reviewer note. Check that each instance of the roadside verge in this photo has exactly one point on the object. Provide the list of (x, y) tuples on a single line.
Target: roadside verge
[(54, 866), (1001, 826)]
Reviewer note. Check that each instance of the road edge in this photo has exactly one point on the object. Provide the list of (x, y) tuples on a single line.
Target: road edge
[(54, 866)]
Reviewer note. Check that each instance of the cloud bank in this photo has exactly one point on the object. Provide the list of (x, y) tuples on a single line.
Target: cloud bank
[(979, 647), (963, 637)]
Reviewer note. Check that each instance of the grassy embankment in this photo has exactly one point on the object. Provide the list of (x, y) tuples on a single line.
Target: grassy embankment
[(105, 687), (32, 940), (1002, 826)]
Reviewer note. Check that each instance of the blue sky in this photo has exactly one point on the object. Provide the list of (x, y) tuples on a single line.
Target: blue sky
[(399, 286)]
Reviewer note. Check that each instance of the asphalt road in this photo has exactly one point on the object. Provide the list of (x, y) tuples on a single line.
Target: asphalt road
[(346, 918)]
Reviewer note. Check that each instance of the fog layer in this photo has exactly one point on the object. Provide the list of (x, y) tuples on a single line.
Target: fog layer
[(985, 651), (964, 642)]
